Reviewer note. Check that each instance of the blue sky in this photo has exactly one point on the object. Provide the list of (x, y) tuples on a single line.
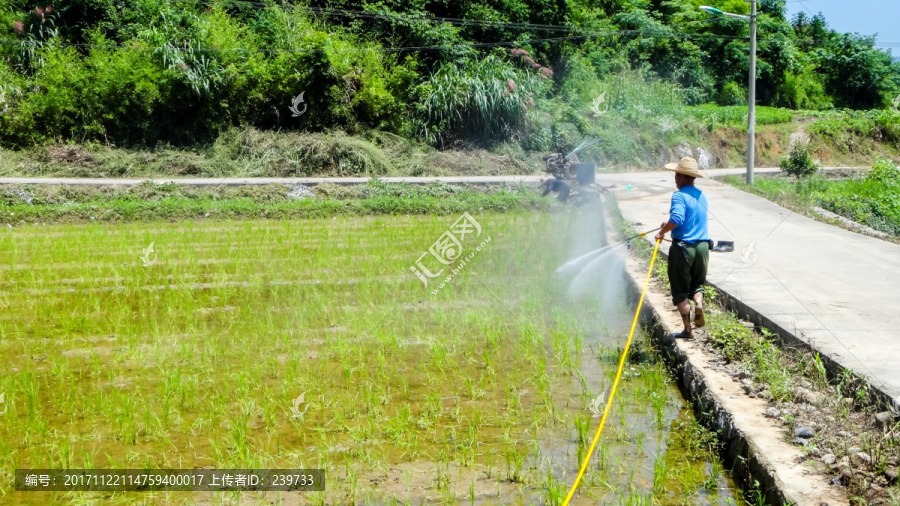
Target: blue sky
[(866, 17)]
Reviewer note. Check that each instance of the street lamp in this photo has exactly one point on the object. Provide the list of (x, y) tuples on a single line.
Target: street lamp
[(751, 102)]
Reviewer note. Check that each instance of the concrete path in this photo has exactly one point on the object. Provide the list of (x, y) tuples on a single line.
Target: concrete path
[(533, 180), (836, 290)]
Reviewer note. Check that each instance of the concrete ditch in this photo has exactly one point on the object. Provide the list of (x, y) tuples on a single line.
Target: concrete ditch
[(755, 449)]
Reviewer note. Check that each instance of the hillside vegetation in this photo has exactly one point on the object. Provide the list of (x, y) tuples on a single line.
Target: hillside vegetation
[(388, 87)]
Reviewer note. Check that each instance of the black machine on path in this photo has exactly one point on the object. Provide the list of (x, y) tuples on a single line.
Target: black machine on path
[(568, 167)]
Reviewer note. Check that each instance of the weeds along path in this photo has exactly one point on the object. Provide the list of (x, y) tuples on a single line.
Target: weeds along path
[(478, 390)]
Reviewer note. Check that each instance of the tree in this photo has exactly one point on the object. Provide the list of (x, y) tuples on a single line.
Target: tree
[(856, 74)]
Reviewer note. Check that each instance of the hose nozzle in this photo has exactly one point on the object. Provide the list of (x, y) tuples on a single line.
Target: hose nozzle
[(642, 234)]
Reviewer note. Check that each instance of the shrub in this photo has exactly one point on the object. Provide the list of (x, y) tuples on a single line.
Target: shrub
[(483, 100), (798, 163), (803, 91), (732, 93), (885, 172)]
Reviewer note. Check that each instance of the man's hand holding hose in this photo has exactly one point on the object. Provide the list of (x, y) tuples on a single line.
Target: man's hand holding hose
[(664, 229)]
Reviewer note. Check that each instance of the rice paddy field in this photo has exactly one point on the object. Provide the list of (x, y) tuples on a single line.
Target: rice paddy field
[(312, 344)]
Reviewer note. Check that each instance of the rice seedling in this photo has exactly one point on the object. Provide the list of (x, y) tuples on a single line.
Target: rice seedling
[(280, 343)]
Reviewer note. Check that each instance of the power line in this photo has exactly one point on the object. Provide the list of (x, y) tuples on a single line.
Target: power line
[(654, 32), (805, 8), (667, 32), (393, 16), (314, 50)]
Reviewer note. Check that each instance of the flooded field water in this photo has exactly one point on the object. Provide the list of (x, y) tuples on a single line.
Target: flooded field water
[(312, 344)]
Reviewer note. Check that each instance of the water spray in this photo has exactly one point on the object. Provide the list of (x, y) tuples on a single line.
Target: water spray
[(569, 266)]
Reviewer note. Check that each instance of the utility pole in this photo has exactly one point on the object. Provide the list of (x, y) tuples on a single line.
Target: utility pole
[(751, 101), (751, 85)]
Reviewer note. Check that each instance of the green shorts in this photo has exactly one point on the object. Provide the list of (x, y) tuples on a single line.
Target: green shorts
[(687, 268)]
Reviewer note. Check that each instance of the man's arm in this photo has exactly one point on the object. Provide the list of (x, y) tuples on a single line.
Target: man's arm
[(667, 227), (676, 217)]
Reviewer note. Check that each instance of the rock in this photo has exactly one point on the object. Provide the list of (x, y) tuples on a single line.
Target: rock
[(748, 389), (843, 433), (683, 149), (704, 158), (801, 442), (829, 460), (804, 432), (805, 395), (885, 419), (743, 375), (773, 413), (664, 156), (891, 475), (861, 458), (805, 384), (853, 450)]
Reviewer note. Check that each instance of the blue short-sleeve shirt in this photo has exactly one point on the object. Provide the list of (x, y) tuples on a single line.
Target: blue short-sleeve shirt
[(689, 212)]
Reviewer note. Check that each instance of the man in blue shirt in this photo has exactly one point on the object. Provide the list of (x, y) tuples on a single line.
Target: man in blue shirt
[(689, 254)]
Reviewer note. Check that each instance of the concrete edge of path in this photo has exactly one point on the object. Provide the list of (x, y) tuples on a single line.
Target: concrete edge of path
[(755, 448), (529, 180)]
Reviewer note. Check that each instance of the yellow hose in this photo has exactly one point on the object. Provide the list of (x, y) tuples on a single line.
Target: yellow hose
[(612, 392)]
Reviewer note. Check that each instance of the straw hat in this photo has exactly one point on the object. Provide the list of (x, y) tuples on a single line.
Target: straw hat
[(687, 166)]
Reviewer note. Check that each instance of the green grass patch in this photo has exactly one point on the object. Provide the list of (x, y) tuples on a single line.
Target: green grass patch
[(837, 127), (713, 116), (873, 201), (150, 201)]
